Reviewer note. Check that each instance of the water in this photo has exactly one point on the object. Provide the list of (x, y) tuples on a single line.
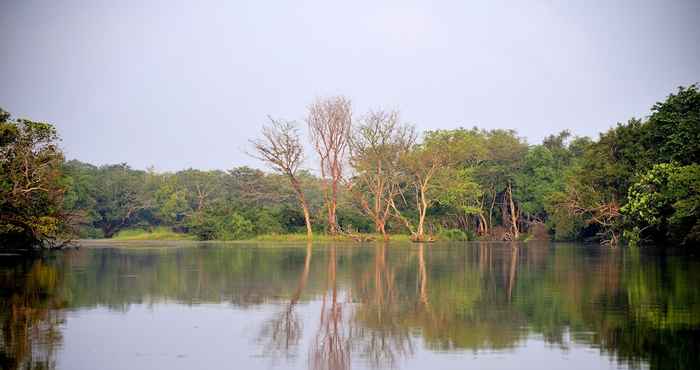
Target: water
[(404, 306)]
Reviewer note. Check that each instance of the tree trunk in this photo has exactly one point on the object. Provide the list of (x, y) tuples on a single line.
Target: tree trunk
[(332, 222), (307, 220), (422, 209), (513, 214), (304, 206), (381, 228), (483, 225), (493, 203), (331, 205)]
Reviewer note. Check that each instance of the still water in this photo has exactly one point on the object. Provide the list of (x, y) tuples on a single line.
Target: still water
[(402, 306)]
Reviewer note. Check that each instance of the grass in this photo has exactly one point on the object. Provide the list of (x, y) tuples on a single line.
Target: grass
[(159, 233), (321, 238), (164, 233)]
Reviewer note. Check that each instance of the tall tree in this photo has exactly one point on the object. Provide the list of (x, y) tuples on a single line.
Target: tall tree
[(486, 162), (330, 122), (505, 151), (596, 183), (120, 196), (459, 190), (377, 146), (282, 150), (31, 192), (422, 165), (673, 130)]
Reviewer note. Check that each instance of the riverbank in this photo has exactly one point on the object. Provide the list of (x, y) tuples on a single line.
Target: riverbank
[(166, 234)]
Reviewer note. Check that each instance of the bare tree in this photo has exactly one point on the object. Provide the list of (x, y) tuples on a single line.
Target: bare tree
[(595, 208), (330, 122), (376, 148), (281, 148)]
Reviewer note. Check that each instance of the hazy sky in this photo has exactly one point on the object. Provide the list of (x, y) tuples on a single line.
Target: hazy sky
[(186, 84)]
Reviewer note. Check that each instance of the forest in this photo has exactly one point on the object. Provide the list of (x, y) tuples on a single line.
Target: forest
[(371, 176)]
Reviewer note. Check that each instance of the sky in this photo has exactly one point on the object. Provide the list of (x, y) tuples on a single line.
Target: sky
[(180, 84)]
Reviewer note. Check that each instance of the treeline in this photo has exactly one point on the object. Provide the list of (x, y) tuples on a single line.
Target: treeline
[(225, 205), (639, 182)]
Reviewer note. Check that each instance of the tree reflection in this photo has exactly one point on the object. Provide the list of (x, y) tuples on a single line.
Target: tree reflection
[(331, 345), (29, 323), (285, 329), (379, 333), (423, 278), (379, 304), (513, 269)]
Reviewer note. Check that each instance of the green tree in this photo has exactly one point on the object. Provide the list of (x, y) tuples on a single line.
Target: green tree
[(421, 166), (31, 190), (665, 204), (596, 184), (673, 129), (120, 197), (462, 195)]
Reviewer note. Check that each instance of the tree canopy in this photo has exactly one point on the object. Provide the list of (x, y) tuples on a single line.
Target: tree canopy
[(637, 182)]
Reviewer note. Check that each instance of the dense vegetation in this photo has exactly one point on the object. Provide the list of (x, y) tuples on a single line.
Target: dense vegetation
[(638, 182), (31, 188)]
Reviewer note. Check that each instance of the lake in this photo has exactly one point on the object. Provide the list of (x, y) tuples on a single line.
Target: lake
[(162, 305)]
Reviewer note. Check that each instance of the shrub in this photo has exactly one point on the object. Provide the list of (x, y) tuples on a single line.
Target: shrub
[(234, 227), (456, 235), (267, 223)]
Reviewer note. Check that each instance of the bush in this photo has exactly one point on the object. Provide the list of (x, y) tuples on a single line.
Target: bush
[(204, 229), (150, 233), (267, 223), (234, 227), (457, 235)]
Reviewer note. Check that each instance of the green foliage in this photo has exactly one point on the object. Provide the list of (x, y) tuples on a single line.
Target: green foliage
[(664, 204), (487, 182), (458, 190), (267, 223), (220, 223), (158, 233), (456, 235), (204, 228), (173, 205), (234, 227), (543, 175), (673, 132), (619, 167), (352, 220), (31, 188)]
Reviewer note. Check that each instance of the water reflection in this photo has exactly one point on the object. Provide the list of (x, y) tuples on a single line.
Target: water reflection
[(29, 315), (330, 348), (380, 335), (378, 306), (283, 332)]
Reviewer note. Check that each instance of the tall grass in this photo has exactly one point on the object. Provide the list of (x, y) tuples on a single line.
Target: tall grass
[(158, 233), (164, 233)]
